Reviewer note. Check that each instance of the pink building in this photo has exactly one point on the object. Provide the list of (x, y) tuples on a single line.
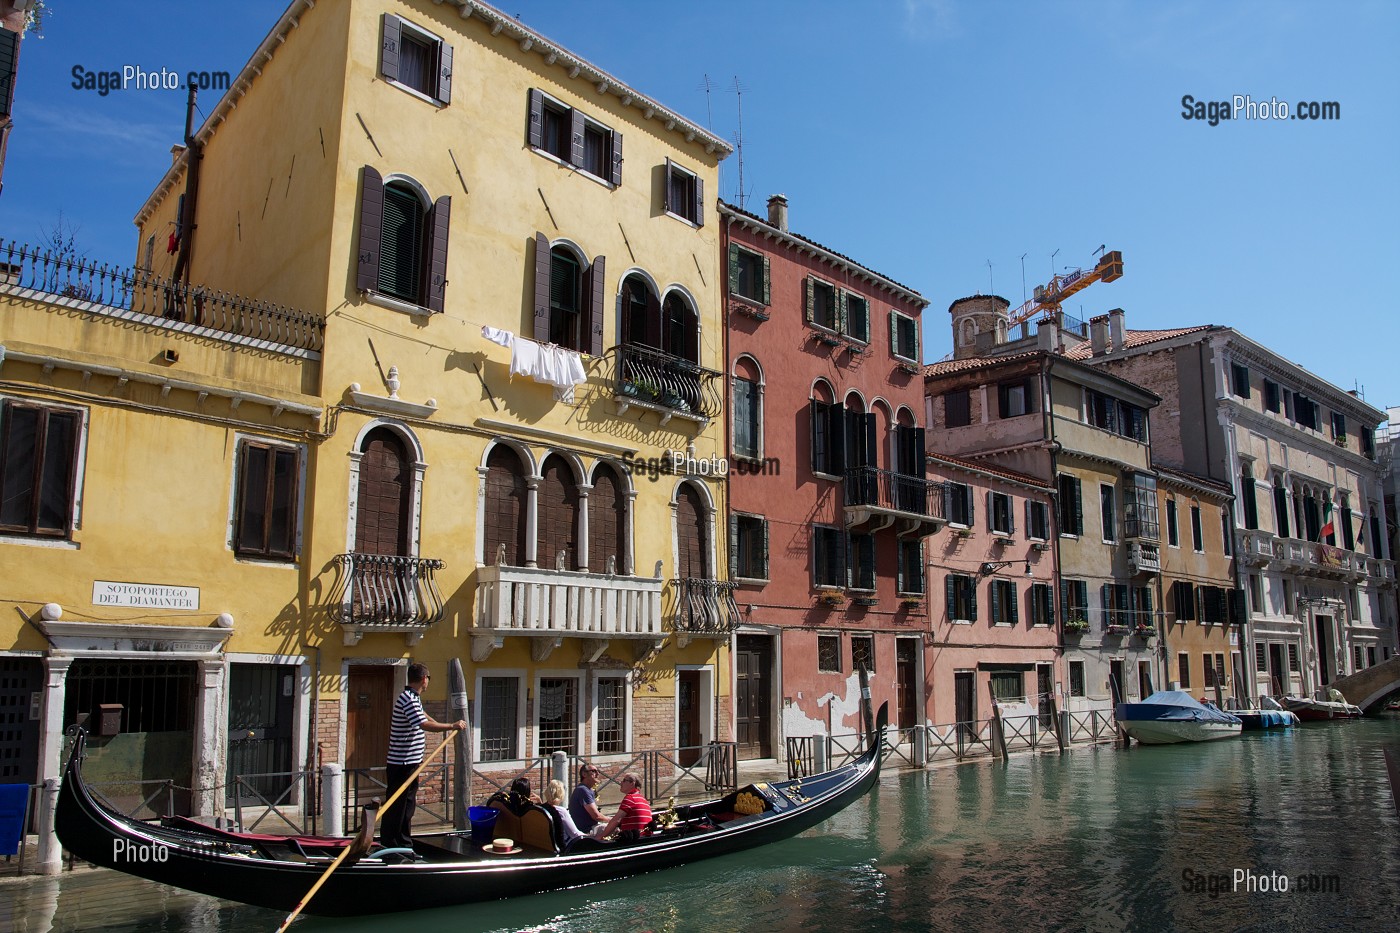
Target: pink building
[(992, 579), (829, 504)]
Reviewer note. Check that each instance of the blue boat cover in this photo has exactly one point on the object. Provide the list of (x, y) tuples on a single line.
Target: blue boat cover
[(14, 800), (1172, 706)]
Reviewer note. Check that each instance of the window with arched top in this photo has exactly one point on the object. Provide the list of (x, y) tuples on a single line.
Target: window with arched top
[(680, 328), (568, 297), (748, 408), (692, 534), (402, 250), (641, 313), (557, 524), (506, 507), (607, 522), (382, 519)]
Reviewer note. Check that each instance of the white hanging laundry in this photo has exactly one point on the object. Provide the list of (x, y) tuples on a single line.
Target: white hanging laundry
[(526, 359), (503, 337)]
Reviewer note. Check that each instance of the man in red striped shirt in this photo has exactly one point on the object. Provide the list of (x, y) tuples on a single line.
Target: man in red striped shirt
[(633, 814)]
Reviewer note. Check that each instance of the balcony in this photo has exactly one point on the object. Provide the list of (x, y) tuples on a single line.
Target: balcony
[(383, 593), (548, 606), (1144, 558), (675, 387), (142, 297), (706, 609), (881, 498)]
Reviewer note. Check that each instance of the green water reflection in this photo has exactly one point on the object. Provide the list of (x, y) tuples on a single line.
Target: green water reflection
[(1100, 839)]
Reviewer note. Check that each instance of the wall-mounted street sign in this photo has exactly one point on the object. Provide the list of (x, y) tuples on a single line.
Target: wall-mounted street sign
[(144, 595)]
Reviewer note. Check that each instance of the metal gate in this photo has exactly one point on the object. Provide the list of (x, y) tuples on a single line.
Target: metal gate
[(21, 682), (260, 708)]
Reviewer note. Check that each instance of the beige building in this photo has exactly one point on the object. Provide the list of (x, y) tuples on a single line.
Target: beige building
[(458, 447)]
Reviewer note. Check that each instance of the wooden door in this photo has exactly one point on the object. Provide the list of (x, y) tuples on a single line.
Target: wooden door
[(557, 503), (1278, 676), (753, 660), (370, 705), (506, 505), (965, 701), (1325, 656), (691, 543), (906, 682), (688, 716), (1115, 681), (1145, 679), (606, 522), (1045, 706)]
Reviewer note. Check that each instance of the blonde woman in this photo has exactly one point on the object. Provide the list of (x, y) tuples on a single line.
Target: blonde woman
[(556, 798)]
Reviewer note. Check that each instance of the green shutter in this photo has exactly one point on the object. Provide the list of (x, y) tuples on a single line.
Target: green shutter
[(811, 310), (996, 601), (894, 334), (1015, 609), (1049, 603), (972, 596), (734, 567), (952, 597), (767, 292), (764, 557), (733, 268)]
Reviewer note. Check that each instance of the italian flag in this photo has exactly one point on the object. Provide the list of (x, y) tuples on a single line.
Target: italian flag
[(1328, 528)]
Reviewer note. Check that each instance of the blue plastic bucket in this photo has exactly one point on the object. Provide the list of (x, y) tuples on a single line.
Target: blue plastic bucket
[(483, 820)]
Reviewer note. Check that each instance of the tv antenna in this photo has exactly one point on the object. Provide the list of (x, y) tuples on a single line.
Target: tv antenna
[(990, 289), (739, 139), (706, 86)]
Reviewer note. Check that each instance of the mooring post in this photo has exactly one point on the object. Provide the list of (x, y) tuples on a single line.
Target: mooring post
[(920, 737), (333, 798)]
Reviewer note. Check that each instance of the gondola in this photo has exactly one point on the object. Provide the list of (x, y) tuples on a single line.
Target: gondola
[(446, 868)]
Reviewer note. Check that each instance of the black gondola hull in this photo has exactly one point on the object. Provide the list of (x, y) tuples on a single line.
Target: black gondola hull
[(93, 832)]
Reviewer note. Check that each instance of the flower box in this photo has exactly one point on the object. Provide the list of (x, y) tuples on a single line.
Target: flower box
[(866, 601), (1144, 631), (1117, 630)]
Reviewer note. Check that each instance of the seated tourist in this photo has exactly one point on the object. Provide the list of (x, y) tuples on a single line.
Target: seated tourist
[(554, 798), (633, 814), (583, 804), (518, 799)]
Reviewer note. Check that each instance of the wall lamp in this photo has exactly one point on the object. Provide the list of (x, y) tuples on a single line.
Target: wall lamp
[(992, 566)]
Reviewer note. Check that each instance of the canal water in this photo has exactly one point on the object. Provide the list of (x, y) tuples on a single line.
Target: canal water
[(1099, 839)]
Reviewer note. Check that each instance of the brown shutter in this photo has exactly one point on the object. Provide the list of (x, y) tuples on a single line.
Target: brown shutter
[(576, 138), (444, 82), (605, 522), (616, 158), (371, 225), (389, 48), (437, 253), (666, 188), (557, 505), (699, 215), (541, 288), (595, 306), (535, 133)]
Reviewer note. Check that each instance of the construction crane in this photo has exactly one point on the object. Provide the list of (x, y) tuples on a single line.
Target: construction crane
[(1050, 296)]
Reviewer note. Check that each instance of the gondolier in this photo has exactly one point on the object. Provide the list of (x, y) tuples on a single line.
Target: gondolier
[(406, 728)]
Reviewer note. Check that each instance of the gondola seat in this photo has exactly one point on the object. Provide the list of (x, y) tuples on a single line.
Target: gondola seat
[(540, 829)]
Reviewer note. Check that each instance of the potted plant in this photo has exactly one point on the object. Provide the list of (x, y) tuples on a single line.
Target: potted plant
[(1145, 631), (911, 602), (831, 598), (866, 601), (1076, 624)]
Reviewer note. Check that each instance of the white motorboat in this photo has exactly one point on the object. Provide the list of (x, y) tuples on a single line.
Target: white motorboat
[(1170, 716)]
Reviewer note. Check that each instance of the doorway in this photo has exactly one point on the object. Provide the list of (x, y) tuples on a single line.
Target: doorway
[(753, 664), (369, 702), (688, 732), (21, 692), (1144, 680), (1115, 681), (965, 701), (1325, 659), (260, 709), (1277, 678), (906, 682), (1044, 705)]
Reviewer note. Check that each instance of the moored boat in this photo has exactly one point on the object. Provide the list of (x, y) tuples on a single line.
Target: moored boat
[(1171, 716), (445, 869), (1269, 715), (1317, 710)]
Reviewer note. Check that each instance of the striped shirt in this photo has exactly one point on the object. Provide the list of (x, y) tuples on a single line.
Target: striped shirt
[(406, 730), (636, 812)]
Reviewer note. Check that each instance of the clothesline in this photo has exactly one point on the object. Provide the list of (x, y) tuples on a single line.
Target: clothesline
[(547, 364)]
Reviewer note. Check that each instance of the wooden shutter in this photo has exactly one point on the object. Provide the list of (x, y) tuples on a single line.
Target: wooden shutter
[(616, 174), (1011, 513), (733, 268), (597, 300), (867, 563), (444, 81), (1078, 505), (820, 442), (541, 330), (971, 598), (9, 65), (734, 567), (576, 132), (767, 291), (991, 513), (811, 315), (437, 253), (666, 204), (996, 601), (838, 310), (1067, 603), (836, 439), (952, 596), (699, 215), (389, 48), (250, 520), (971, 506), (918, 463), (1015, 608), (1049, 603), (371, 227), (894, 334), (535, 129), (899, 563), (1106, 597)]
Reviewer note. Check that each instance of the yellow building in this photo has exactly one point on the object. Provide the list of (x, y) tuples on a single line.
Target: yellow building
[(499, 449)]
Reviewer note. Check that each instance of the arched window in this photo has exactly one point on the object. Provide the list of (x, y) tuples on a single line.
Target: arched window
[(565, 299), (403, 241), (607, 521), (641, 313), (558, 515), (382, 520), (748, 408), (828, 430), (568, 297), (679, 328), (506, 506), (692, 534)]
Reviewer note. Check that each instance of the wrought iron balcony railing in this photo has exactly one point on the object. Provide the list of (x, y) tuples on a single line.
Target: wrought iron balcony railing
[(395, 593), (130, 292), (669, 382), (706, 607), (888, 491)]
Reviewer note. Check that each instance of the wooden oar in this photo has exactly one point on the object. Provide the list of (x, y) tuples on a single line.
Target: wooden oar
[(346, 852)]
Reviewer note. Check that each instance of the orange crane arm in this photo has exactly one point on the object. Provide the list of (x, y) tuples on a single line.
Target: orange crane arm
[(1051, 295)]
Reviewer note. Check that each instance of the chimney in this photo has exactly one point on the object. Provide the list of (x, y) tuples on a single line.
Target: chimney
[(1115, 328), (777, 211), (1098, 334), (176, 151), (1047, 335)]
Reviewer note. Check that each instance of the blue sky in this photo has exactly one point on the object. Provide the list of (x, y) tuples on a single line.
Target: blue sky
[(924, 138)]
